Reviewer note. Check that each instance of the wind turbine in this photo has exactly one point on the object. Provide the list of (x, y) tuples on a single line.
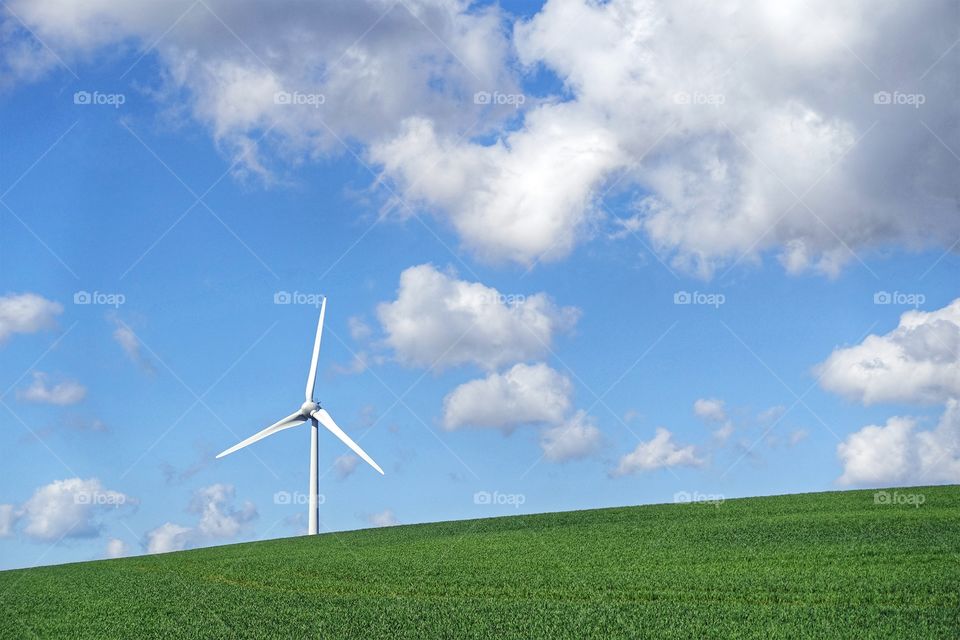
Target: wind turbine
[(310, 410)]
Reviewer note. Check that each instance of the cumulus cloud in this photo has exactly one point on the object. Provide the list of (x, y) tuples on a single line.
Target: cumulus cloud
[(768, 140), (899, 452), (61, 393), (358, 68), (117, 548), (723, 181), (440, 321), (385, 518), (712, 149), (345, 465), (524, 394), (524, 198), (168, 537), (26, 313), (218, 519), (69, 508), (657, 453), (574, 439), (919, 361), (710, 409)]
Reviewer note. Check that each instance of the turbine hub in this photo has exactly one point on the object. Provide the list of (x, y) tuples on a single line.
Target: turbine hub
[(308, 408)]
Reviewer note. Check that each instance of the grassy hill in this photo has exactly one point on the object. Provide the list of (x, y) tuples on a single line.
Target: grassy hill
[(815, 565)]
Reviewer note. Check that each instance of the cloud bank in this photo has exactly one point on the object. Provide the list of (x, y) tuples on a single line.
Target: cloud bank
[(812, 130)]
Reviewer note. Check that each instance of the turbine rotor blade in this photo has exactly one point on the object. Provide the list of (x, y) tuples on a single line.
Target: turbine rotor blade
[(292, 420), (312, 376), (324, 418)]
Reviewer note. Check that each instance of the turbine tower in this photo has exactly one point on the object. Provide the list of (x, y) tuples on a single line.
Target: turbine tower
[(310, 410)]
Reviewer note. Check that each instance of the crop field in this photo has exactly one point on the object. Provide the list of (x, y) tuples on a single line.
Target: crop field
[(840, 564)]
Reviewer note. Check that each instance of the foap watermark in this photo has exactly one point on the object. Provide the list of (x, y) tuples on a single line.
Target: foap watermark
[(496, 98), (100, 498), (296, 497), (114, 100), (496, 498), (508, 299), (299, 98), (697, 97), (700, 298), (98, 297), (895, 497), (899, 298), (686, 497), (899, 98), (298, 297)]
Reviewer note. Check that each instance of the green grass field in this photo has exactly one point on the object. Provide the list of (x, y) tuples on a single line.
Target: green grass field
[(815, 565)]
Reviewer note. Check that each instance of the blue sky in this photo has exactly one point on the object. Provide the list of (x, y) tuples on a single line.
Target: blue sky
[(151, 201)]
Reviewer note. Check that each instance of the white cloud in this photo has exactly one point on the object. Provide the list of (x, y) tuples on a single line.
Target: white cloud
[(131, 345), (70, 509), (574, 439), (713, 148), (385, 518), (61, 393), (440, 321), (218, 520), (773, 73), (710, 409), (8, 518), (525, 394), (26, 313), (117, 548), (919, 361), (657, 453), (713, 410), (168, 537), (345, 465), (374, 62), (525, 198), (900, 453)]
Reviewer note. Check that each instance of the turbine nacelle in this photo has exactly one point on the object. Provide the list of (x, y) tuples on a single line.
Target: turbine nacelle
[(307, 409)]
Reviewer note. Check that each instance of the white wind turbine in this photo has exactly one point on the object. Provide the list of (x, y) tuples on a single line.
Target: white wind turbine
[(310, 410)]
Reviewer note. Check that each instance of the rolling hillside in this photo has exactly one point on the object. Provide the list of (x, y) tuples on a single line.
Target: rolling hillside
[(815, 565)]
